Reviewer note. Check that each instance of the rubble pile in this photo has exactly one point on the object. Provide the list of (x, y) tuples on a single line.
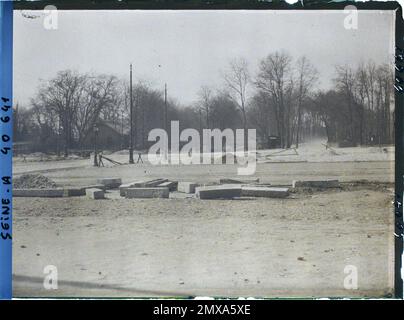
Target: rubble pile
[(33, 181)]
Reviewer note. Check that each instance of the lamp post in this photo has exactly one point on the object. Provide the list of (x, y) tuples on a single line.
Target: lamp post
[(95, 145)]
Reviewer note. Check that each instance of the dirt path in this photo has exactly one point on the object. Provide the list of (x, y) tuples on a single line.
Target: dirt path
[(264, 247)]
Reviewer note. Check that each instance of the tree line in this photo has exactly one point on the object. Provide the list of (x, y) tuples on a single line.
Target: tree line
[(280, 100)]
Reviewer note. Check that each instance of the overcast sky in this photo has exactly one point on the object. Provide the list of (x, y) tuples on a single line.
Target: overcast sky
[(188, 49)]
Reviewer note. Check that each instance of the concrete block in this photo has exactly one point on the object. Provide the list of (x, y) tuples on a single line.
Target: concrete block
[(110, 183), (267, 192), (187, 187), (124, 187), (74, 192), (94, 193), (97, 186), (238, 181), (154, 183), (218, 192), (315, 184), (80, 191), (171, 185), (134, 184), (147, 183), (45, 193), (147, 193), (140, 184)]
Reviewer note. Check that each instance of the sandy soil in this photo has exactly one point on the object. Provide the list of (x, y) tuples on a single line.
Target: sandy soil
[(187, 247), (182, 246), (274, 173)]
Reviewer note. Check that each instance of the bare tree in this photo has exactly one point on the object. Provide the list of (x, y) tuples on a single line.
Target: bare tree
[(361, 94), (345, 83), (385, 96), (205, 101), (98, 93), (260, 115), (237, 80), (61, 96), (224, 111), (274, 78), (306, 77)]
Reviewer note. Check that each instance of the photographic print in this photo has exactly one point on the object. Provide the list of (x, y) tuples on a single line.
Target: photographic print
[(220, 153)]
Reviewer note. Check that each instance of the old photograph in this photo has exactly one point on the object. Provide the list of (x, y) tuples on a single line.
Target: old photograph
[(211, 153)]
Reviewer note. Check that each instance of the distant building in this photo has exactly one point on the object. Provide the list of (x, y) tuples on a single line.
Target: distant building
[(110, 136), (23, 147)]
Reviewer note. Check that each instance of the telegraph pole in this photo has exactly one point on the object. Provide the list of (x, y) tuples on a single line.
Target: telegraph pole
[(165, 108), (166, 117), (131, 119)]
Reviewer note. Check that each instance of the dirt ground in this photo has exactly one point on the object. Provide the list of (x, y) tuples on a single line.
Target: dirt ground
[(274, 173), (293, 247), (188, 247)]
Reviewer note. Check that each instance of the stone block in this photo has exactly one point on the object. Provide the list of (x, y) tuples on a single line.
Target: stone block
[(187, 187), (267, 192), (45, 193), (94, 193), (110, 183), (156, 192), (315, 184), (74, 192), (238, 181), (124, 187), (154, 183), (97, 186), (218, 192), (171, 185)]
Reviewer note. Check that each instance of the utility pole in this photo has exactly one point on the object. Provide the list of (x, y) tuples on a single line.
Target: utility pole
[(131, 119), (165, 108), (165, 117), (122, 136), (200, 127), (200, 121)]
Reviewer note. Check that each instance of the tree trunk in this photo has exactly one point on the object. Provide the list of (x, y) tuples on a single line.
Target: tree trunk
[(298, 122)]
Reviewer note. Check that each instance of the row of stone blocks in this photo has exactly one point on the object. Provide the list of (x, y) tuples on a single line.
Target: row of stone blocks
[(224, 191), (56, 192), (160, 188)]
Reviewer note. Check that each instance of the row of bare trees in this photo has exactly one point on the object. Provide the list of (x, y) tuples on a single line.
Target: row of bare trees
[(66, 109), (281, 99), (272, 101), (359, 110)]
